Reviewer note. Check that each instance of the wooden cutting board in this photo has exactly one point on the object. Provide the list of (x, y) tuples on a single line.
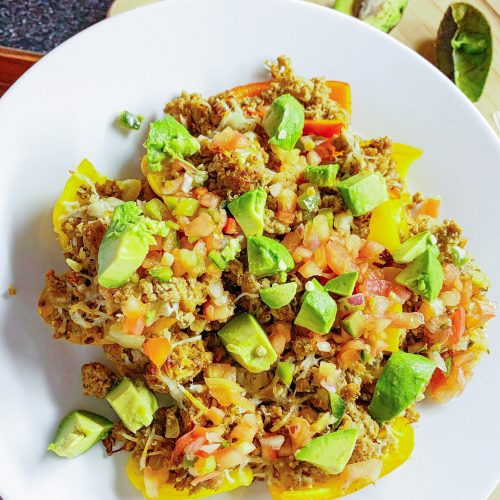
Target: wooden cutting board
[(417, 30)]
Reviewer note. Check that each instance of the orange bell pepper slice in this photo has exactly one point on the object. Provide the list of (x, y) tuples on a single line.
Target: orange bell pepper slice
[(339, 91), (157, 350)]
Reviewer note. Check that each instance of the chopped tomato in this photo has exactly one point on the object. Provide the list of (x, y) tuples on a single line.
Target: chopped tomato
[(405, 320), (280, 336), (246, 429), (201, 226), (231, 226), (157, 350), (371, 250), (134, 312), (199, 192), (338, 258), (229, 457), (326, 151), (285, 217), (183, 441), (383, 287), (451, 275), (443, 388), (229, 140), (213, 312), (210, 200), (300, 432), (458, 324)]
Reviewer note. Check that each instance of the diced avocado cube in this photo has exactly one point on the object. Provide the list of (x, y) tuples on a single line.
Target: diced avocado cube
[(317, 311), (322, 175), (309, 200), (267, 256), (248, 210), (133, 402), (411, 248), (284, 122), (337, 407), (155, 209), (161, 273), (459, 256), (168, 138), (354, 324), (78, 432), (181, 206), (329, 452), (363, 192), (424, 276), (248, 344), (216, 257), (279, 295), (343, 284), (403, 379), (328, 213), (230, 250), (284, 371), (123, 247)]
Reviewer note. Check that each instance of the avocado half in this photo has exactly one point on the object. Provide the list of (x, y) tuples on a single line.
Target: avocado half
[(383, 14)]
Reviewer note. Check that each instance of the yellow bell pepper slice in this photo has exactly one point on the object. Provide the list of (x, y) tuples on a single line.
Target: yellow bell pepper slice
[(168, 492), (388, 223), (394, 334), (84, 173), (404, 156), (393, 457)]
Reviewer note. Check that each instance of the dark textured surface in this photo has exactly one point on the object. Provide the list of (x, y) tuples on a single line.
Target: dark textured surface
[(41, 25)]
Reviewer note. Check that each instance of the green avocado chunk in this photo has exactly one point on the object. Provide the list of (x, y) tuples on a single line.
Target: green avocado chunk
[(123, 248), (168, 138), (383, 15), (248, 210), (424, 276), (78, 432), (354, 324), (322, 175), (318, 309), (155, 209), (403, 378), (226, 255), (126, 243), (337, 407), (343, 284), (284, 122), (267, 256), (284, 371), (329, 452), (279, 295), (247, 342), (346, 6), (411, 248), (363, 192), (133, 402)]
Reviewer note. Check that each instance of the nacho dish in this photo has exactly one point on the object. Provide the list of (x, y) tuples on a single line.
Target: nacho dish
[(271, 299)]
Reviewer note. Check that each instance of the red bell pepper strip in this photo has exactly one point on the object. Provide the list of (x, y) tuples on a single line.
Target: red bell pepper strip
[(323, 128)]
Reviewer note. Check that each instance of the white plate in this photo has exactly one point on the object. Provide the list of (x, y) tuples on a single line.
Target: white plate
[(62, 111)]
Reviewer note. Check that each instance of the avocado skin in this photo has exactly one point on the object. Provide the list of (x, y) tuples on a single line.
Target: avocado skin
[(403, 378), (424, 276)]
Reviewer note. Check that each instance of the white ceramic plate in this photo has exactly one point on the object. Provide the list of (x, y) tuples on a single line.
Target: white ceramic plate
[(62, 111)]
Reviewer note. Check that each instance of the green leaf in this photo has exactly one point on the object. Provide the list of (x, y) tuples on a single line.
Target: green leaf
[(464, 48)]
